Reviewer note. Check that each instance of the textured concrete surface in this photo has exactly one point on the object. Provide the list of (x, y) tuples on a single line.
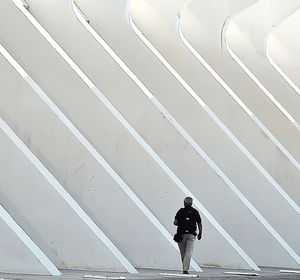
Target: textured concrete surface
[(209, 273)]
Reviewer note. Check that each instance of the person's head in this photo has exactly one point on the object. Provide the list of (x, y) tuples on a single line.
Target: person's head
[(188, 201)]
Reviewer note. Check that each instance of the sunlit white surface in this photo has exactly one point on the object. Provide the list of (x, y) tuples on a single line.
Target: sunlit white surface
[(238, 100), (37, 252), (151, 97), (233, 29), (247, 110), (51, 179), (216, 119)]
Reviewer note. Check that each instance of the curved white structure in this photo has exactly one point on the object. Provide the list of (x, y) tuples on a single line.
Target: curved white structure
[(281, 49), (103, 118), (63, 195), (216, 119), (250, 44), (228, 88), (93, 11), (73, 185), (208, 48), (174, 178), (168, 35)]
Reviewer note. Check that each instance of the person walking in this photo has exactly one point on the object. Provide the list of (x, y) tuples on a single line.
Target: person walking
[(186, 220)]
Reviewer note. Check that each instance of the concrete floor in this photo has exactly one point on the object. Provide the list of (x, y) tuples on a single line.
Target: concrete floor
[(209, 273)]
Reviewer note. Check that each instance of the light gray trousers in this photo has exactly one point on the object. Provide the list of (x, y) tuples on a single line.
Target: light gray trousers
[(186, 247)]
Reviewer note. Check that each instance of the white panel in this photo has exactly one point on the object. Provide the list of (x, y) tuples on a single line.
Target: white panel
[(153, 16), (69, 45), (250, 50), (65, 88), (53, 78), (104, 14), (158, 123), (283, 49), (81, 174), (15, 257), (74, 156), (44, 217), (230, 91), (209, 46)]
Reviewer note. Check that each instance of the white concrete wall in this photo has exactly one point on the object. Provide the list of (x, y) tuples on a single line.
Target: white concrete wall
[(253, 43), (132, 51), (283, 46), (20, 259), (155, 130), (280, 153), (153, 15), (81, 175), (14, 255), (30, 198), (130, 163)]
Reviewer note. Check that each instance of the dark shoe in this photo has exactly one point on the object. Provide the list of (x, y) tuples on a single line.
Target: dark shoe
[(185, 272)]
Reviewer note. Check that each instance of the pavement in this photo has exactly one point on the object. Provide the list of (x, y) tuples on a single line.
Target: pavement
[(149, 274)]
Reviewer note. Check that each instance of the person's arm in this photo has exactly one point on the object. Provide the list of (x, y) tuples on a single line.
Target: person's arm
[(199, 223), (200, 230), (177, 217)]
